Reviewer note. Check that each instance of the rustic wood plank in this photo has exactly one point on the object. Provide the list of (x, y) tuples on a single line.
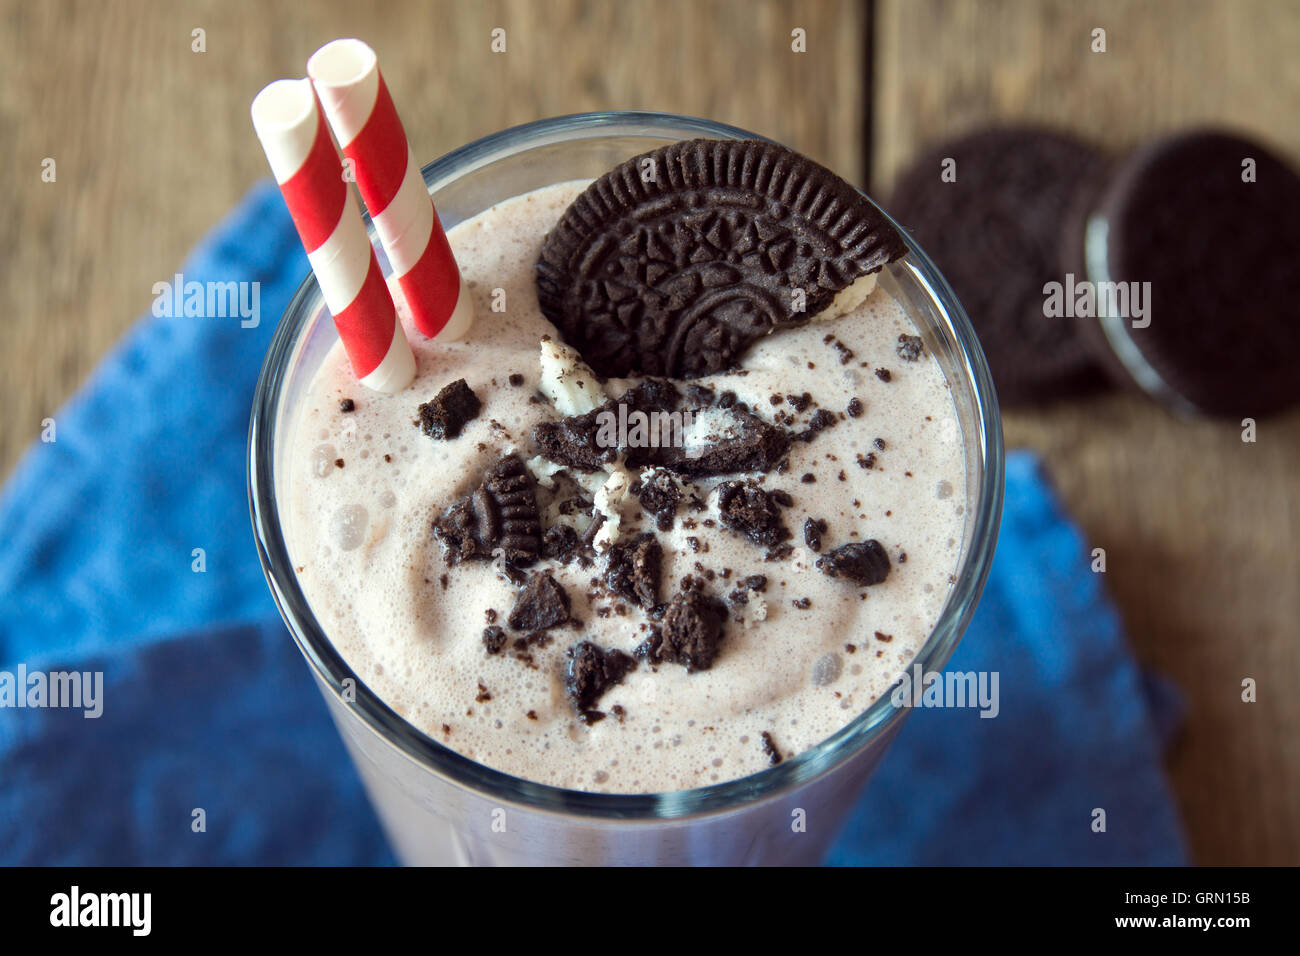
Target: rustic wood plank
[(1200, 529), (153, 141)]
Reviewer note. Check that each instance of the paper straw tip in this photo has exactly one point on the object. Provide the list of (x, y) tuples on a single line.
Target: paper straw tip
[(341, 63)]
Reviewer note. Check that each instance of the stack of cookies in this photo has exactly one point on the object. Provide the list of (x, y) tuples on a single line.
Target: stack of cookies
[(1172, 269)]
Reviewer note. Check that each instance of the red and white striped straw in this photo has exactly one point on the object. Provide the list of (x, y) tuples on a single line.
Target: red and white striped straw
[(365, 122), (306, 165)]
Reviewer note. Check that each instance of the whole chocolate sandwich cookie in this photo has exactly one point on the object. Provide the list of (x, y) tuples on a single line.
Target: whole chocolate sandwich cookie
[(989, 208), (675, 261), (1192, 250)]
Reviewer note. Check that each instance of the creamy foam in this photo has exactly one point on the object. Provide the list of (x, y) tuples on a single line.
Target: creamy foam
[(360, 538)]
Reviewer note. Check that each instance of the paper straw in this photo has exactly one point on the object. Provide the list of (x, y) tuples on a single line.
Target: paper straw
[(365, 122), (307, 168)]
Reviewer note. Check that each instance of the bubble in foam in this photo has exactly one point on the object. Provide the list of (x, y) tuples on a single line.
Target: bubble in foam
[(349, 527), (944, 490), (322, 460), (827, 670), (387, 499)]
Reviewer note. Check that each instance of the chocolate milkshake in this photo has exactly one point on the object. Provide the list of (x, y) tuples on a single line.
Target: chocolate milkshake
[(631, 574)]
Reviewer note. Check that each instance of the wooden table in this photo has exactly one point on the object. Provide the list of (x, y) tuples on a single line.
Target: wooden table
[(153, 144)]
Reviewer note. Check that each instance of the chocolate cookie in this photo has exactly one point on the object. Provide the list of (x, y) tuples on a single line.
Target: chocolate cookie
[(540, 604), (862, 562), (755, 446), (500, 513), (675, 261), (632, 569), (577, 442), (995, 232), (748, 509), (693, 627), (444, 415), (1218, 240), (590, 671)]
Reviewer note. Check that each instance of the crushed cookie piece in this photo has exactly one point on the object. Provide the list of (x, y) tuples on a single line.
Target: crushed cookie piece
[(660, 496), (746, 508), (633, 567), (591, 671), (494, 639), (693, 627), (541, 604), (813, 529), (443, 416), (500, 513), (910, 347), (862, 562)]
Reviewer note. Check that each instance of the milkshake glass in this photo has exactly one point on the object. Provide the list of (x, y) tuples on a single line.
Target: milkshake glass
[(438, 806)]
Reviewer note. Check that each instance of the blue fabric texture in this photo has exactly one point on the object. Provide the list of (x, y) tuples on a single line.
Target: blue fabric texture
[(214, 747)]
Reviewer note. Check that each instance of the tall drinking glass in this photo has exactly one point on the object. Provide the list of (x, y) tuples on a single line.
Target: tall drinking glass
[(439, 807)]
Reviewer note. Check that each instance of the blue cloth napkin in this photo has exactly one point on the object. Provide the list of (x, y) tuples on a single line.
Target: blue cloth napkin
[(214, 747)]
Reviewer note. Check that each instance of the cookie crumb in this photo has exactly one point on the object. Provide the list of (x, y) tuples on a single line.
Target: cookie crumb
[(494, 639), (590, 672), (444, 415), (542, 603), (813, 529), (748, 509), (864, 563), (910, 347)]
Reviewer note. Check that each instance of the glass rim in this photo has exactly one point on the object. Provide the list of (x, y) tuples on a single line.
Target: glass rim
[(332, 670)]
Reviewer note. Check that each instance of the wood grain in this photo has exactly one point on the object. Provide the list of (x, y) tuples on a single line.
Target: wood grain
[(1200, 529), (153, 143)]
